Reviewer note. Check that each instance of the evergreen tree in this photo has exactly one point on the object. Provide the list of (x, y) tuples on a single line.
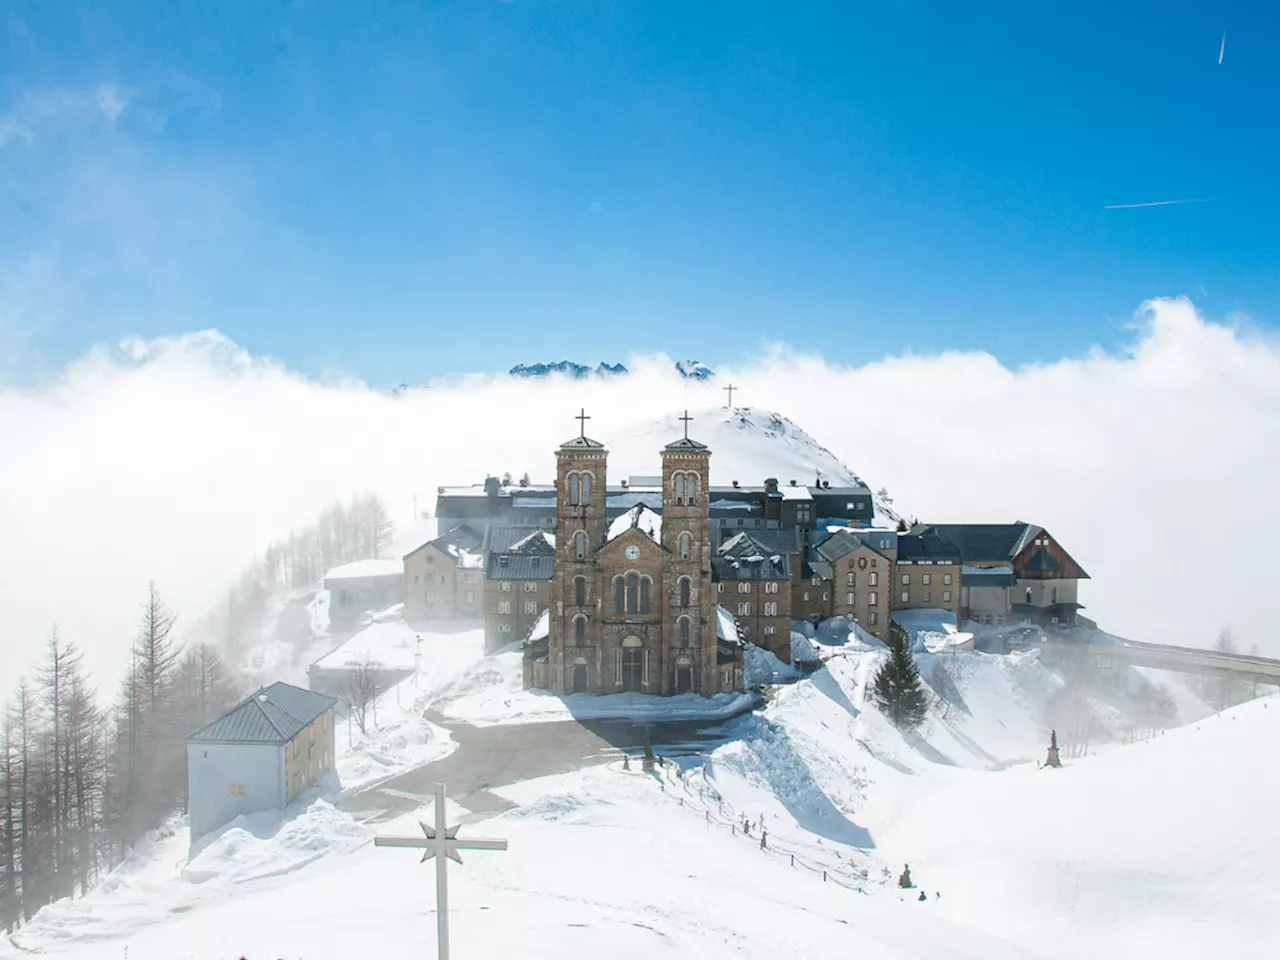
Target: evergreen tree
[(902, 525), (897, 688)]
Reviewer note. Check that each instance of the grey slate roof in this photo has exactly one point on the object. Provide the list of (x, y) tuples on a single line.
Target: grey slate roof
[(275, 714), (926, 546), (775, 567), (685, 443), (518, 553), (582, 443), (984, 542), (784, 540), (995, 577), (842, 543), (460, 536)]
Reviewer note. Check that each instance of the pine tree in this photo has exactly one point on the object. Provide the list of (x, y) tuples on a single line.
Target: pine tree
[(897, 688)]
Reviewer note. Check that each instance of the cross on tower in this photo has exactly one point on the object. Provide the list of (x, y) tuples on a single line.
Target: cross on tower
[(441, 843), (730, 388), (582, 419), (686, 418)]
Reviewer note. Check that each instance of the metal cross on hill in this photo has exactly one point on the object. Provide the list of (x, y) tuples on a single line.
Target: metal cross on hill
[(582, 419), (730, 388), (441, 843)]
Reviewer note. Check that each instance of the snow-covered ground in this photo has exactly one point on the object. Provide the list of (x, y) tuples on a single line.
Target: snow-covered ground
[(491, 693), (1160, 848)]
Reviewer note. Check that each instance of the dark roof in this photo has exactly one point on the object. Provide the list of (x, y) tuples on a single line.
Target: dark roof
[(1041, 561), (275, 714), (518, 553), (842, 543), (783, 540), (774, 567), (926, 546), (685, 443), (819, 568), (995, 577), (983, 542), (582, 443), (461, 536)]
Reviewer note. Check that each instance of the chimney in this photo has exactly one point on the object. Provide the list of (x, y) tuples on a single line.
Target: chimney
[(771, 485), (491, 486), (735, 484), (793, 483)]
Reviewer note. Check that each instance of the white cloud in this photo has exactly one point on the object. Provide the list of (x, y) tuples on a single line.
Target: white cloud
[(178, 459)]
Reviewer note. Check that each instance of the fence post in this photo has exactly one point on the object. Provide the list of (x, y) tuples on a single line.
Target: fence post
[(824, 876), (793, 859), (682, 801)]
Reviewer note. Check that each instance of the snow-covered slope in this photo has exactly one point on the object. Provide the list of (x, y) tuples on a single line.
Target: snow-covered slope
[(747, 445), (1162, 848)]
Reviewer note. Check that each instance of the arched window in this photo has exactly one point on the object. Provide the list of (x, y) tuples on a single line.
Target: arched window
[(633, 593), (644, 595), (691, 488), (586, 489), (579, 546), (685, 588), (685, 546), (619, 595), (579, 631), (580, 590), (1028, 595), (574, 489), (678, 482), (684, 631)]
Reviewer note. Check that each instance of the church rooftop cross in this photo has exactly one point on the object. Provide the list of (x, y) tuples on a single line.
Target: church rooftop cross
[(440, 843), (582, 419), (686, 418)]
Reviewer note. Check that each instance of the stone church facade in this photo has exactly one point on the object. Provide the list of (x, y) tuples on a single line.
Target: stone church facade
[(633, 606)]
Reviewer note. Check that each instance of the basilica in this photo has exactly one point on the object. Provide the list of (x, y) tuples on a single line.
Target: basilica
[(633, 606)]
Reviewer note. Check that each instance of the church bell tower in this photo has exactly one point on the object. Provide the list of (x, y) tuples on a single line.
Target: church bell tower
[(574, 650), (686, 534)]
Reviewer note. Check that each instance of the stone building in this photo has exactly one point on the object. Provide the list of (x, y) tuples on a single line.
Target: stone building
[(519, 571), (442, 578), (861, 577), (926, 573), (633, 605), (754, 582)]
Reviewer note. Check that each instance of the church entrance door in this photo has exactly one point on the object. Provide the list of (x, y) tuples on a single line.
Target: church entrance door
[(579, 678), (632, 668), (684, 679)]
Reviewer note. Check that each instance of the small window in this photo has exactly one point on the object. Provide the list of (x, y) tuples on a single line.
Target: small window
[(825, 595), (848, 599), (685, 546), (925, 579), (770, 631), (924, 598), (719, 588), (873, 579), (850, 579), (685, 587), (580, 591), (530, 607), (744, 587), (946, 596), (684, 631), (504, 628), (471, 596), (817, 581), (744, 609), (237, 789), (579, 632), (504, 586), (431, 559), (872, 598), (806, 596), (906, 597), (873, 618), (906, 579), (946, 579), (579, 546), (504, 606)]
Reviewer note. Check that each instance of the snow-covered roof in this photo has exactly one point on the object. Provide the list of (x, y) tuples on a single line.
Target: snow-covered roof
[(726, 626), (365, 569), (969, 569), (470, 560), (641, 518), (523, 542), (541, 629), (390, 645), (795, 493)]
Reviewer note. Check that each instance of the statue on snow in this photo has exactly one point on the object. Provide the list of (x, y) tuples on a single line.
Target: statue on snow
[(904, 881), (1052, 760)]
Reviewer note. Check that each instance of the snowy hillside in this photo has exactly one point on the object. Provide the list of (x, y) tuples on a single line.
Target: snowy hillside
[(690, 369), (1162, 848), (747, 445)]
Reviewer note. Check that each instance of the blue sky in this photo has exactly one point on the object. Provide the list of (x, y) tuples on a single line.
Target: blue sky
[(400, 193)]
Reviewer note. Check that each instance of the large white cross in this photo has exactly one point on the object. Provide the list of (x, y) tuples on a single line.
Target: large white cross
[(442, 843)]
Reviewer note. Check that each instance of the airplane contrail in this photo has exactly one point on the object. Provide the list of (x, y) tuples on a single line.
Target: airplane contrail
[(1153, 203), (1222, 49)]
